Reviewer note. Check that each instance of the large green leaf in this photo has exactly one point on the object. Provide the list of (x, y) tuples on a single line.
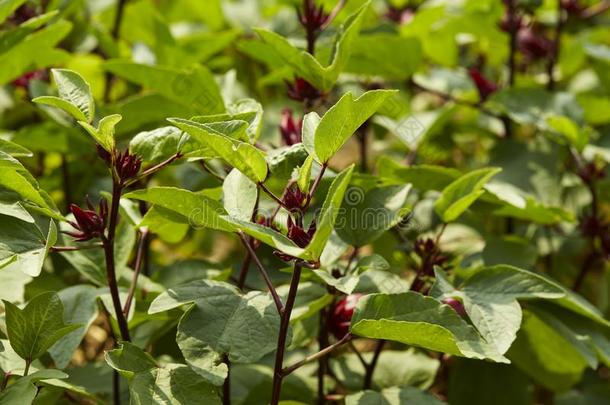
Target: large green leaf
[(156, 145), (365, 216), (245, 157), (413, 319), (194, 88), (197, 209), (25, 389), (23, 246), (323, 137), (35, 328), (462, 193), (75, 96), (491, 297), (221, 321), (104, 133), (152, 383), (307, 66)]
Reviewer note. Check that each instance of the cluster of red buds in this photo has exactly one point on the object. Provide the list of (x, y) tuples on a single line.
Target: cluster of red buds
[(341, 315), (572, 6), (89, 223), (125, 164), (484, 86), (302, 91), (298, 235), (24, 80), (312, 18), (430, 254), (290, 128), (294, 199)]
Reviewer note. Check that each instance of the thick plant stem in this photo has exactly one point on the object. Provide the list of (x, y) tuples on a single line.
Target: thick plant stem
[(116, 388), (116, 28), (65, 175), (108, 242), (556, 45), (137, 269), (512, 56), (281, 340), (322, 362)]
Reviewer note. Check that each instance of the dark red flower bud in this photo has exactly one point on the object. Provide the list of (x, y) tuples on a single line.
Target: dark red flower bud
[(312, 18), (456, 305), (591, 172), (341, 315), (127, 165), (533, 45), (400, 16), (294, 199), (24, 80), (484, 86), (572, 6), (290, 128), (299, 236), (302, 91), (89, 223)]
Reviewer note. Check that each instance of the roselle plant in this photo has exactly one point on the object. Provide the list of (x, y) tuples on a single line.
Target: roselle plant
[(304, 202)]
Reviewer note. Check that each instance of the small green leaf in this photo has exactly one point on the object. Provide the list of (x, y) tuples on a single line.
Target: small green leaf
[(24, 246), (239, 195), (393, 396), (74, 95), (25, 389), (462, 193), (325, 222), (156, 145), (576, 136), (304, 176), (243, 156), (104, 133), (34, 329), (323, 137)]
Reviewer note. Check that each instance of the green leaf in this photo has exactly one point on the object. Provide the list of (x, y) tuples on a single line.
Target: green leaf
[(13, 149), (304, 176), (307, 66), (34, 329), (323, 137), (462, 193), (221, 321), (413, 319), (325, 222), (80, 307), (195, 208), (194, 88), (247, 109), (269, 237), (243, 156), (393, 396), (490, 299), (75, 96), (24, 246), (364, 217), (151, 383), (240, 195), (25, 389), (104, 133), (422, 177), (575, 135), (157, 145)]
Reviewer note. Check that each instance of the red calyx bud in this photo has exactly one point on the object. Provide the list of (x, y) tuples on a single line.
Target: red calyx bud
[(509, 26), (24, 80), (533, 45), (104, 154), (89, 223), (572, 6), (400, 16), (127, 165), (312, 18), (341, 315), (290, 128), (456, 305), (299, 236), (294, 199), (301, 90), (484, 86), (591, 172)]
